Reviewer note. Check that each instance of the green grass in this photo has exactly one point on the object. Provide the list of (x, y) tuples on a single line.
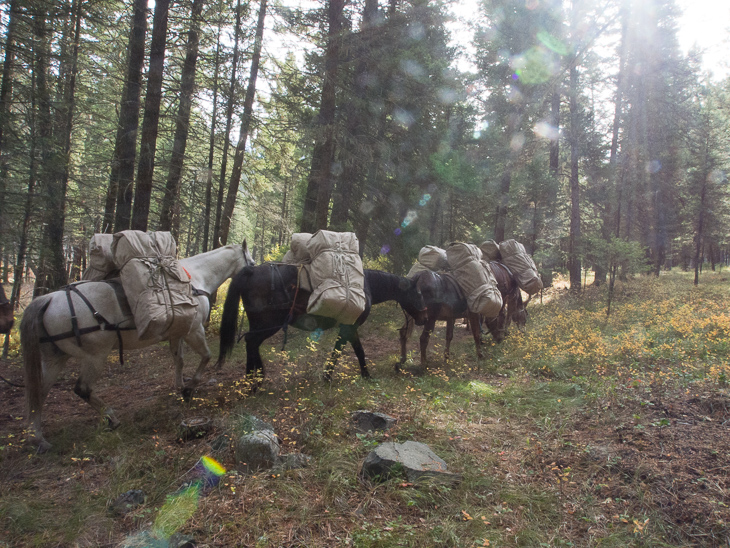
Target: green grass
[(532, 429)]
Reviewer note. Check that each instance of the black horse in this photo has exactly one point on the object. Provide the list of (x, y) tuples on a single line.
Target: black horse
[(273, 299), (6, 313), (446, 301)]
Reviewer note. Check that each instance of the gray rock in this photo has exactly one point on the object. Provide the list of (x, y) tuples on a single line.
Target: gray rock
[(293, 461), (126, 502), (414, 459), (365, 421), (258, 450), (247, 424)]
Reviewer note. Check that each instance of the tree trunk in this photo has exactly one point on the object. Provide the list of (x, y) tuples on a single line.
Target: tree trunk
[(150, 122), (226, 135), (319, 185), (118, 208), (6, 93), (211, 145), (349, 186), (574, 263), (170, 209), (245, 129)]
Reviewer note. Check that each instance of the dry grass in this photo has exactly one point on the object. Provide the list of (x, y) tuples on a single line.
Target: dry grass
[(584, 431)]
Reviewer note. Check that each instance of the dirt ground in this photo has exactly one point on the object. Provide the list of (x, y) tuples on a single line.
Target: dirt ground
[(669, 444)]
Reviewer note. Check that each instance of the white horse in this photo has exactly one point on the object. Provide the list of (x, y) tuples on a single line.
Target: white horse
[(100, 320)]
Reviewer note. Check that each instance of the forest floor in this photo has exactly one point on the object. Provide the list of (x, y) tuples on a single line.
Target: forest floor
[(582, 431)]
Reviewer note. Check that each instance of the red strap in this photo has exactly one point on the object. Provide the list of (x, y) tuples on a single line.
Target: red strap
[(186, 272)]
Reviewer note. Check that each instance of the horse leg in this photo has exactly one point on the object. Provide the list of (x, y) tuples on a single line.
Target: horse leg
[(347, 333), (476, 333), (254, 363), (84, 389), (177, 351), (405, 334), (196, 340), (425, 336), (360, 353), (51, 367), (449, 336)]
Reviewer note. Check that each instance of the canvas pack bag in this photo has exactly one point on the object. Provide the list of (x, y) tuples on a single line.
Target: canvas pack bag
[(101, 262), (434, 258), (516, 258), (490, 250), (337, 276), (156, 285), (298, 252), (475, 278), (415, 269)]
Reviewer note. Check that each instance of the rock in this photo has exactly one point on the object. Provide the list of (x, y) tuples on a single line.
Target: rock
[(127, 502), (365, 421), (293, 461), (258, 450), (415, 459)]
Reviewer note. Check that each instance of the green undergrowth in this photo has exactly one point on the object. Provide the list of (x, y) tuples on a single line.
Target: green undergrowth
[(516, 426)]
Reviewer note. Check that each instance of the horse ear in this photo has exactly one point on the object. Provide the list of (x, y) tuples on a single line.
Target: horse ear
[(244, 246)]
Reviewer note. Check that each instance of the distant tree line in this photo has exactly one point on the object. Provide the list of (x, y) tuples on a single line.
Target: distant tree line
[(580, 129)]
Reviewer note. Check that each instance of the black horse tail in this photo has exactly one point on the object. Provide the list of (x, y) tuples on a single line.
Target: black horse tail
[(31, 331), (229, 319)]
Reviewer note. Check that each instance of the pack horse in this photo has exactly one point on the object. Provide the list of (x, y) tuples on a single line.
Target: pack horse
[(88, 320)]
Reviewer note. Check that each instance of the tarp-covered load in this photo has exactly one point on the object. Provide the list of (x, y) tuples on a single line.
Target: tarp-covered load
[(156, 285), (522, 266), (475, 278), (430, 258), (298, 252), (490, 250), (101, 262), (337, 276), (415, 269), (433, 258)]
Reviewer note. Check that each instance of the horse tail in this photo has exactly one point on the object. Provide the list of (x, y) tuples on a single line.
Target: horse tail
[(229, 319), (31, 331)]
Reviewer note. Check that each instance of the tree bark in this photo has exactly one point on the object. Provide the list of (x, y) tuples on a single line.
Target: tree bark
[(319, 185), (118, 207), (170, 209), (246, 120), (574, 262), (150, 122), (211, 145), (226, 136)]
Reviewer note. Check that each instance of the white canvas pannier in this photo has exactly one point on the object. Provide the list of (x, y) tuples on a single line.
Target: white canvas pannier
[(337, 276), (475, 278), (490, 250), (156, 285), (516, 258), (101, 262), (432, 257)]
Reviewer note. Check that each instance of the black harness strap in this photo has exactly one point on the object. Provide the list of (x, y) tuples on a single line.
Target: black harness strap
[(102, 323)]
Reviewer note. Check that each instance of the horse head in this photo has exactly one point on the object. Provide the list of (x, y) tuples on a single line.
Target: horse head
[(6, 313), (248, 259), (497, 326), (413, 303), (520, 315)]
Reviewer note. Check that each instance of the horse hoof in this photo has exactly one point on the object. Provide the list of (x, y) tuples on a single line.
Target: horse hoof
[(187, 394)]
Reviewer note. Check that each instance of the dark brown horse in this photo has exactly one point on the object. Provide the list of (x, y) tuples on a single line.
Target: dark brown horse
[(6, 313), (446, 301), (273, 300)]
